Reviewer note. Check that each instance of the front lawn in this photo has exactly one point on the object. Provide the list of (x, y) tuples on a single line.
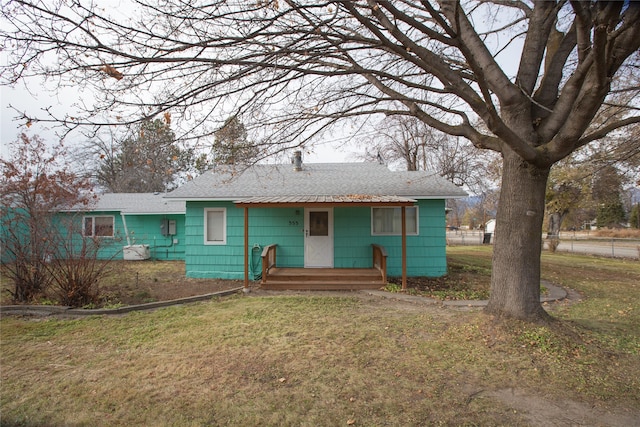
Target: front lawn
[(335, 359)]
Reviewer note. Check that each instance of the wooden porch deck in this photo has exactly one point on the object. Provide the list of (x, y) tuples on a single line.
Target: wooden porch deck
[(325, 279)]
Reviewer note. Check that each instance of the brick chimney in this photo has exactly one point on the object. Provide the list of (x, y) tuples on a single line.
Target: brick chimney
[(297, 160)]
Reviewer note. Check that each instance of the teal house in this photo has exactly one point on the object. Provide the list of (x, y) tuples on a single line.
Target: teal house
[(135, 226), (315, 226)]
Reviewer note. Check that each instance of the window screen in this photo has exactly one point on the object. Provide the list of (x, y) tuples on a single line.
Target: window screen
[(98, 226), (103, 226), (318, 223), (389, 220), (215, 232)]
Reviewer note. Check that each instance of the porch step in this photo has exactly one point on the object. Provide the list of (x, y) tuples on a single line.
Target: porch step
[(324, 274), (320, 286), (323, 279)]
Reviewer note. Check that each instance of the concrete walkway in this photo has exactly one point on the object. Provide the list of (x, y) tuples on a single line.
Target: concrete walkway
[(554, 293)]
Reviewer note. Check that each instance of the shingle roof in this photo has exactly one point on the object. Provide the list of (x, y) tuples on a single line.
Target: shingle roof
[(319, 179), (137, 203)]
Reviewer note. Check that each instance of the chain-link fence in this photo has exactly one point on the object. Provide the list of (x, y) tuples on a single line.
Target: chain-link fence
[(567, 242)]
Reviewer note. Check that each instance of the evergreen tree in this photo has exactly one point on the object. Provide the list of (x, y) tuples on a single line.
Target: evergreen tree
[(232, 146), (147, 160)]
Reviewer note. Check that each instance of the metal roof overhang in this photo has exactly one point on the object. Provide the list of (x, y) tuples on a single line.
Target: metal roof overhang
[(324, 201)]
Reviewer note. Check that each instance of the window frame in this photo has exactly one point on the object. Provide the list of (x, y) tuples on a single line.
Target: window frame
[(206, 227), (399, 231), (93, 226)]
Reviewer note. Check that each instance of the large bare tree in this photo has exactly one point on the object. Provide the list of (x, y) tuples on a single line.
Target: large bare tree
[(536, 74)]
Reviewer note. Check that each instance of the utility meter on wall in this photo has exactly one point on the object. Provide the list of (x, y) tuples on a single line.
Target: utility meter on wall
[(168, 227)]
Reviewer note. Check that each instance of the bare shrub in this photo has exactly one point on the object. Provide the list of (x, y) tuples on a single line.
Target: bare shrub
[(75, 281), (34, 185), (76, 270), (23, 254), (29, 280)]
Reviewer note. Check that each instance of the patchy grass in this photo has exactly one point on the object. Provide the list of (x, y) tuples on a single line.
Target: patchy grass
[(609, 289), (332, 360)]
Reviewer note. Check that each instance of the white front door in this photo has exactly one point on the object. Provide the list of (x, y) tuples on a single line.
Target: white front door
[(318, 237)]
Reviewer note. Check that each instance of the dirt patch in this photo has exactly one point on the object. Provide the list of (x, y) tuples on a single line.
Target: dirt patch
[(142, 282), (151, 292), (540, 411), (462, 282)]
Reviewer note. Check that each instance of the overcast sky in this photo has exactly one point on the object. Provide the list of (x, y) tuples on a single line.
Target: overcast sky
[(31, 101), (9, 129), (40, 98)]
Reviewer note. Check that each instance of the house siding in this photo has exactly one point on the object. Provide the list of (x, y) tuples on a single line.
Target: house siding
[(143, 230), (266, 226), (426, 252), (352, 238), (285, 227)]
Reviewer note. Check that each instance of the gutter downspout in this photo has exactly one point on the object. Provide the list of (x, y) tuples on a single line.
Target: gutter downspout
[(126, 231)]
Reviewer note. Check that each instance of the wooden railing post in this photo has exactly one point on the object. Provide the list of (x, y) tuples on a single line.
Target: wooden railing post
[(380, 260), (268, 260)]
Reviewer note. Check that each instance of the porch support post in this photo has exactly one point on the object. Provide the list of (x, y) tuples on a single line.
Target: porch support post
[(404, 247), (246, 248)]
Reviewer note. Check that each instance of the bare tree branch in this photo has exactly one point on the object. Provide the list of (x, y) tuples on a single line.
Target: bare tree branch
[(296, 69)]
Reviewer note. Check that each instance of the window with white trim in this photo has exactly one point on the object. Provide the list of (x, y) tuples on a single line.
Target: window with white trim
[(215, 226), (388, 221), (98, 226)]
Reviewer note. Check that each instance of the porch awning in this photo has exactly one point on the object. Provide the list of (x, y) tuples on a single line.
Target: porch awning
[(325, 201)]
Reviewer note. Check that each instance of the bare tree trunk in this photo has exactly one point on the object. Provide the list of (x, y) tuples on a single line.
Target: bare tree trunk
[(515, 280), (553, 232)]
